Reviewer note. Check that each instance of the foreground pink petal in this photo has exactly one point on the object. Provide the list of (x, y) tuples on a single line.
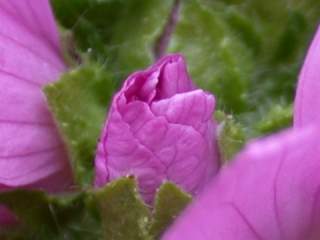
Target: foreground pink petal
[(307, 100), (31, 151), (270, 191), (159, 128)]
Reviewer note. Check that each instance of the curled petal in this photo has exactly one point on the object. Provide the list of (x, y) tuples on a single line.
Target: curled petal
[(270, 191), (307, 97), (162, 80), (159, 128)]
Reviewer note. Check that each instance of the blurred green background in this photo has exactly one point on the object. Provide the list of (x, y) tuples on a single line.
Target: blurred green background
[(247, 52)]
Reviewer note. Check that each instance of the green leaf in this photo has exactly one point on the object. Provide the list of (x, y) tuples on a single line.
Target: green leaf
[(43, 216), (122, 33), (124, 214), (169, 203), (266, 41), (277, 34), (35, 212), (277, 118), (281, 29), (231, 136), (243, 27), (216, 59), (79, 103), (291, 38)]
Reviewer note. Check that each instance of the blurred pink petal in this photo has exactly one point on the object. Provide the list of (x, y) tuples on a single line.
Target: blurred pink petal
[(159, 128), (307, 100), (7, 219), (270, 191), (31, 151)]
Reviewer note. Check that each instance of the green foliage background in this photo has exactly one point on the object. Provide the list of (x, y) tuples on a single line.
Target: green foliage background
[(246, 52)]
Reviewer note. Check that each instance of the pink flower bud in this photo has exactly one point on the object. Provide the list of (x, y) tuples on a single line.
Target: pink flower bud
[(159, 128)]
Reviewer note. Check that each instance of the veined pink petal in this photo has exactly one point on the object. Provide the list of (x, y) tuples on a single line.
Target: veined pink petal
[(159, 128), (270, 191), (31, 151), (307, 99), (37, 18)]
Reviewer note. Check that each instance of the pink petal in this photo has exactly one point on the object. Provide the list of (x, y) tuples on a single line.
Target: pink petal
[(31, 153), (307, 97), (159, 128), (270, 191), (37, 19)]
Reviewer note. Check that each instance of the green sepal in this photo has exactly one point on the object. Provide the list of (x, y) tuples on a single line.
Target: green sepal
[(169, 202), (79, 104), (231, 136), (124, 214)]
